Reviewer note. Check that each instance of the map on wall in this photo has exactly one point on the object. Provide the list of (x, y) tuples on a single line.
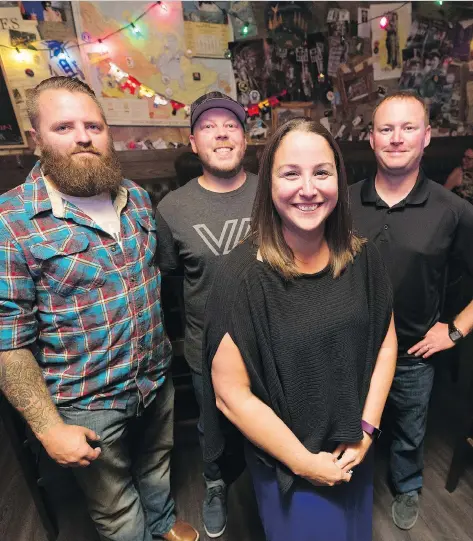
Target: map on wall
[(156, 55)]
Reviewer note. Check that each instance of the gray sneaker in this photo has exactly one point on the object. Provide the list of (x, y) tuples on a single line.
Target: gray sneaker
[(215, 508), (405, 510)]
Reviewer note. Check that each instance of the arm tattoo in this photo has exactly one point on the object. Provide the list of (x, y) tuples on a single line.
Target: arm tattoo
[(21, 381)]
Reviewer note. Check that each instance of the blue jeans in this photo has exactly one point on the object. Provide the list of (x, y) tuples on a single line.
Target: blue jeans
[(127, 488), (408, 404), (211, 469)]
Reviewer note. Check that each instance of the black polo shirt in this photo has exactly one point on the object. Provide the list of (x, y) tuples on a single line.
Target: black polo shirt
[(418, 237)]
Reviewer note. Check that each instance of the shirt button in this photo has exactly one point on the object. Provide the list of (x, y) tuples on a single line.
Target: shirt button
[(140, 314), (386, 226), (389, 211), (113, 248), (133, 279)]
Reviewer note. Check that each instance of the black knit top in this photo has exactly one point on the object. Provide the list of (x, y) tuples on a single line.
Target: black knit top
[(309, 345)]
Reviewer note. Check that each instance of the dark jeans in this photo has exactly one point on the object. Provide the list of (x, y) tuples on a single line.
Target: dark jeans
[(128, 487), (211, 469), (408, 404)]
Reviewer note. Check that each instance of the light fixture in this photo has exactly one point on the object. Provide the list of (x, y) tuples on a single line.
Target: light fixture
[(20, 54), (102, 48), (245, 29), (383, 22), (134, 28)]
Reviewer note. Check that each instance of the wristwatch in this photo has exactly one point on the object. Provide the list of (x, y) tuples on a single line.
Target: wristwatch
[(371, 430), (455, 334)]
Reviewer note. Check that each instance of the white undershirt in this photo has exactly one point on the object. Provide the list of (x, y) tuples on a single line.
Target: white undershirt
[(100, 209)]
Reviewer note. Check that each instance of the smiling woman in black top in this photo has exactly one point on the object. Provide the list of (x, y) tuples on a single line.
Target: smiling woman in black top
[(300, 345)]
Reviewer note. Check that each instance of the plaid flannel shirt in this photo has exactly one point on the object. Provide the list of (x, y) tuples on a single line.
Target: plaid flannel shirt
[(88, 307)]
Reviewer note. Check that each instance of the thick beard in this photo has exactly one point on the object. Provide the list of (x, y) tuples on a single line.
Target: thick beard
[(222, 173), (90, 177)]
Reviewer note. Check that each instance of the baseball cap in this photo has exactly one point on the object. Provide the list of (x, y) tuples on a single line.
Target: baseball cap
[(215, 99)]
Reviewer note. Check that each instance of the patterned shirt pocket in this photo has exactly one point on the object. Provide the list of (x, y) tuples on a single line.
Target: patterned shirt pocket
[(148, 239), (67, 267)]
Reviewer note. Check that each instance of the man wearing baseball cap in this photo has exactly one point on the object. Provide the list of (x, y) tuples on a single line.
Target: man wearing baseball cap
[(197, 225)]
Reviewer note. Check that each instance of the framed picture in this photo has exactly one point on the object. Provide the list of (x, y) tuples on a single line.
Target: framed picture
[(288, 111), (355, 86), (257, 130)]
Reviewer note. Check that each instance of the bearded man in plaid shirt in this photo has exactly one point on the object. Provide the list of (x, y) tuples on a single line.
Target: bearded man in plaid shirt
[(83, 353)]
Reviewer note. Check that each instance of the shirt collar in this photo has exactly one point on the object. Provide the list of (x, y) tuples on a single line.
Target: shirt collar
[(417, 196), (41, 196)]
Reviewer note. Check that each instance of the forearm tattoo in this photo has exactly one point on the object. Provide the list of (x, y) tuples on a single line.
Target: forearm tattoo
[(21, 381)]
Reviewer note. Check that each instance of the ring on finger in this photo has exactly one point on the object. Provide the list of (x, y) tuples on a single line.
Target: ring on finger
[(350, 472)]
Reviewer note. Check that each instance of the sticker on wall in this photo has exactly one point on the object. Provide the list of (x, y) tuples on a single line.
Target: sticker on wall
[(364, 26), (254, 96)]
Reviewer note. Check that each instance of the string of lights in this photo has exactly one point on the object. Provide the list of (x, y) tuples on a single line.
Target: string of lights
[(132, 25), (135, 28)]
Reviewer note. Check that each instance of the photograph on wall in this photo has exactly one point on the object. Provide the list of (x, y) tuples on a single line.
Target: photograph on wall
[(206, 12), (288, 111), (387, 43), (43, 11), (364, 24), (21, 39)]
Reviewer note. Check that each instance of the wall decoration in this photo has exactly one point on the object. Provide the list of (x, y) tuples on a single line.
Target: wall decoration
[(288, 23), (243, 20), (12, 135), (160, 56), (288, 111), (21, 57), (28, 60), (430, 69), (364, 24), (264, 66), (43, 11), (206, 28), (206, 39), (257, 130), (332, 68), (387, 43), (356, 85), (205, 12)]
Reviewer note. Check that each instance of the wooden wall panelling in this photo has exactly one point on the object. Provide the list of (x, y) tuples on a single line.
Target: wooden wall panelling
[(443, 153)]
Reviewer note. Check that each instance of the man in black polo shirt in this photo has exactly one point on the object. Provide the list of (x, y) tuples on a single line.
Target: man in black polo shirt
[(418, 226)]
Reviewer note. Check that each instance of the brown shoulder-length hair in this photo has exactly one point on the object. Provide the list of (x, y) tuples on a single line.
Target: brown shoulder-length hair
[(266, 225)]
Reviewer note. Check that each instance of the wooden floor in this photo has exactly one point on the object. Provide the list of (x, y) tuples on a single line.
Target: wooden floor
[(443, 516)]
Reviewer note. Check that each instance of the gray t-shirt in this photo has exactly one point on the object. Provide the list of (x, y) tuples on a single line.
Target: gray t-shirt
[(195, 226)]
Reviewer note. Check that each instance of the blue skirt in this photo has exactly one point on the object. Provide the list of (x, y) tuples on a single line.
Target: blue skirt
[(308, 513)]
